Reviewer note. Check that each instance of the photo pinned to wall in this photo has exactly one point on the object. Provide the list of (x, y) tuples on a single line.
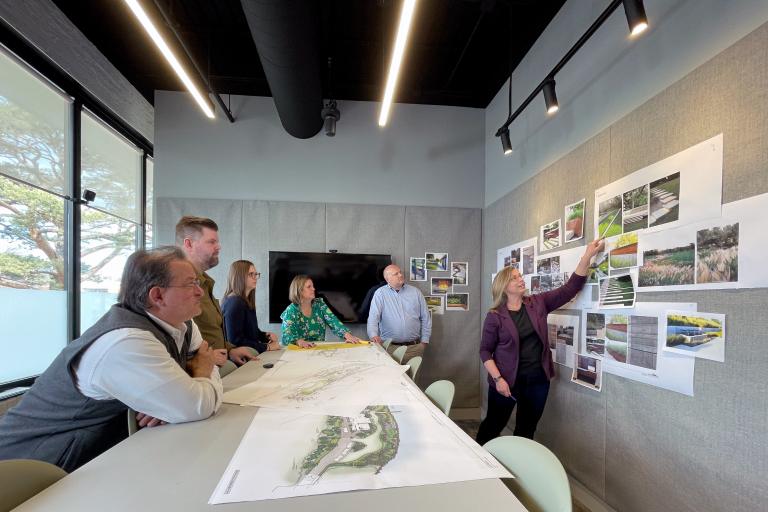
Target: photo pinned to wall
[(635, 209), (435, 304), (550, 236), (459, 272), (642, 349), (587, 371), (717, 254), (528, 255), (535, 285), (436, 260), (514, 258), (609, 219), (665, 200), (668, 260), (548, 265), (457, 302), (616, 337), (696, 334), (441, 285), (563, 334), (574, 221), (622, 252), (418, 269), (617, 292), (598, 268)]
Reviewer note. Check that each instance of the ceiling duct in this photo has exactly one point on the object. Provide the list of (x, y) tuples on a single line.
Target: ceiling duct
[(287, 36)]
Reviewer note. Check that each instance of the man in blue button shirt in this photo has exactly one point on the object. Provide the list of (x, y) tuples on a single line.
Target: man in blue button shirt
[(399, 312)]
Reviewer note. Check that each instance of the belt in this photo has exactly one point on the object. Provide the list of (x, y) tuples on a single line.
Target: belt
[(405, 343)]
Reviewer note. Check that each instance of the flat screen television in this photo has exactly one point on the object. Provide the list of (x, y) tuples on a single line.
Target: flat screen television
[(345, 281)]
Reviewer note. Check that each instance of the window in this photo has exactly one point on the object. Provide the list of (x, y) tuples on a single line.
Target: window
[(111, 167), (38, 210), (150, 187), (34, 180)]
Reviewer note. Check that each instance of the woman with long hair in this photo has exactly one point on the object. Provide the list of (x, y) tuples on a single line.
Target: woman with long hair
[(515, 348), (305, 318), (239, 309)]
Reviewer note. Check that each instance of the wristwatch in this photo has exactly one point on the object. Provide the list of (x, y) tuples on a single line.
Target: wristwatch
[(497, 379)]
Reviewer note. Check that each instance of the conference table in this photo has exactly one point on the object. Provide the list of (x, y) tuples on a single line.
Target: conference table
[(177, 467)]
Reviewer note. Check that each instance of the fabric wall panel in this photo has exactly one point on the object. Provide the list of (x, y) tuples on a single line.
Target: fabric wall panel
[(367, 229), (453, 350), (256, 249), (227, 214), (296, 226)]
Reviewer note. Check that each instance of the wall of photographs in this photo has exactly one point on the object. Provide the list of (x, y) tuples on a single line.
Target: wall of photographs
[(671, 330)]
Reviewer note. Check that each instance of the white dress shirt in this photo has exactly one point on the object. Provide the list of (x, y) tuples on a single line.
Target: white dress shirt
[(132, 366)]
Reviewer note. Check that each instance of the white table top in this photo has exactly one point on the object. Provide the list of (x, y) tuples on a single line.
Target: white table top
[(177, 467)]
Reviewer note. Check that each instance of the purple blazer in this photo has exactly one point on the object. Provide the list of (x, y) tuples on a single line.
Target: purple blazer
[(501, 341)]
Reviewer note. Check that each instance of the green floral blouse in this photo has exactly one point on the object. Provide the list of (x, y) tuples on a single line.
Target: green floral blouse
[(296, 326)]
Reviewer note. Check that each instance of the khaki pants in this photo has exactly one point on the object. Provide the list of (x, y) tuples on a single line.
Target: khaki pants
[(411, 351)]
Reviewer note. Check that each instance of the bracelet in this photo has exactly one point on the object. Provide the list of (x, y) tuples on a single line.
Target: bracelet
[(497, 379)]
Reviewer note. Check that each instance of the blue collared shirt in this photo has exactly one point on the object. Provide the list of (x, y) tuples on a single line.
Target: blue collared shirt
[(400, 315)]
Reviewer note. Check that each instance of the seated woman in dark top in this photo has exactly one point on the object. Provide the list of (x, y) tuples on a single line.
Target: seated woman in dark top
[(239, 309), (515, 348)]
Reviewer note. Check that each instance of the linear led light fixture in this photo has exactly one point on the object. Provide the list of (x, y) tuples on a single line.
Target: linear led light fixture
[(138, 11), (637, 21), (406, 17)]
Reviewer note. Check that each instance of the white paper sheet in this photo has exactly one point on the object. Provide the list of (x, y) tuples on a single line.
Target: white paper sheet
[(673, 371), (288, 453), (700, 186), (564, 337), (527, 253)]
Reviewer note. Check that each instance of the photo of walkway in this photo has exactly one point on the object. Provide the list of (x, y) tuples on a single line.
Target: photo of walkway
[(635, 209), (609, 218), (665, 200), (617, 292), (550, 235)]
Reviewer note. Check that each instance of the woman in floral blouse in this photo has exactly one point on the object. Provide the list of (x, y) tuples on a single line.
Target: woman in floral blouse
[(304, 320)]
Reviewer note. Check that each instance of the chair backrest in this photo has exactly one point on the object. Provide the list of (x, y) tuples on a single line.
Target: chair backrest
[(227, 368), (22, 479), (413, 367), (386, 343), (441, 393), (399, 353), (540, 481)]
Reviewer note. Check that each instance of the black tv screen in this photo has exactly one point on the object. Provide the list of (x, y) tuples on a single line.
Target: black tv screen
[(345, 281)]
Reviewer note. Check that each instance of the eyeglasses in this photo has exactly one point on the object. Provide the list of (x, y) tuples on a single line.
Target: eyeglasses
[(255, 275), (191, 284)]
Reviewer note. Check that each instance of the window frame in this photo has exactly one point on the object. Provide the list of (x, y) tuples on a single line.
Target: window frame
[(27, 55)]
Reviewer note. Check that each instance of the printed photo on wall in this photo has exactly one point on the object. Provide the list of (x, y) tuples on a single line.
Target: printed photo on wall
[(623, 252), (697, 334), (459, 270), (574, 221), (457, 302), (617, 292), (635, 209), (665, 200), (514, 258), (441, 285), (717, 254), (609, 217), (418, 269), (528, 257), (667, 261), (550, 235), (598, 268), (436, 260), (435, 304), (587, 371)]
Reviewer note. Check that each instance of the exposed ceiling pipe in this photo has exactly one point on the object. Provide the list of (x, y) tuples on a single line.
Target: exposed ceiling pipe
[(287, 35)]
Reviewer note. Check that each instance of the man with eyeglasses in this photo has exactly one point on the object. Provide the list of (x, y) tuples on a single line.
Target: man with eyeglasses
[(198, 237), (145, 353)]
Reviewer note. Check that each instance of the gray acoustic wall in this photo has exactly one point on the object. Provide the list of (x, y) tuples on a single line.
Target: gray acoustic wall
[(252, 228), (48, 29), (638, 447)]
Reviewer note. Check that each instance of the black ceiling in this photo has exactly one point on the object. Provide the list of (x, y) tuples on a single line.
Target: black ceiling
[(460, 51)]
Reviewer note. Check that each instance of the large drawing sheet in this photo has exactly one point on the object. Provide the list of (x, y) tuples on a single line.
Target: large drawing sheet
[(319, 385), (290, 453), (569, 260), (701, 183), (673, 371), (506, 251)]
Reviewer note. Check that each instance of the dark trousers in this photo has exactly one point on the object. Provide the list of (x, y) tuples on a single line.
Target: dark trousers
[(530, 395)]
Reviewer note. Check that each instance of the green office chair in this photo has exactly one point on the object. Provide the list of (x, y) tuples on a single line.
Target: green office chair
[(133, 425), (227, 368), (22, 479), (540, 481), (413, 367), (441, 393), (386, 343), (399, 354)]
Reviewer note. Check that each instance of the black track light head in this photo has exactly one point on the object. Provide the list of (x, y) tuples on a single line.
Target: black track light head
[(550, 96), (506, 144), (636, 17)]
